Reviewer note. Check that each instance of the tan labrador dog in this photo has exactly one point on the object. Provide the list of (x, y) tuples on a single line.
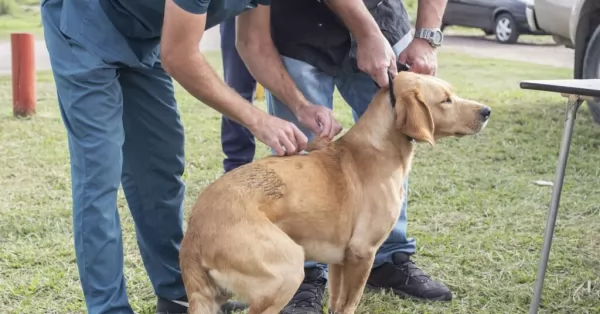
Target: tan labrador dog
[(252, 229)]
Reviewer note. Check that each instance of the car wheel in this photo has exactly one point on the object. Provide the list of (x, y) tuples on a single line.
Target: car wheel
[(591, 69), (506, 29)]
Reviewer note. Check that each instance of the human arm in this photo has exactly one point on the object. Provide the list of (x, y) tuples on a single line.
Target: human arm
[(419, 54), (257, 50), (180, 55), (430, 13), (374, 54)]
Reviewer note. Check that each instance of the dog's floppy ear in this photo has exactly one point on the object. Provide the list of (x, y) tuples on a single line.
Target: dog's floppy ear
[(413, 116)]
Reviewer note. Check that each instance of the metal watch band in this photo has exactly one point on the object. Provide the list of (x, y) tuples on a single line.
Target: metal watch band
[(430, 35)]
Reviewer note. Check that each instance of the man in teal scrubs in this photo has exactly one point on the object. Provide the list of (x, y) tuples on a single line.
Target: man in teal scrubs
[(113, 61)]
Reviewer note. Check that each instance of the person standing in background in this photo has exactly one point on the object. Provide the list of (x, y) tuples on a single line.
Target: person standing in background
[(237, 142), (319, 53)]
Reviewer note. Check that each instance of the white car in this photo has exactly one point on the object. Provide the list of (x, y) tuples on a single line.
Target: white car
[(575, 24)]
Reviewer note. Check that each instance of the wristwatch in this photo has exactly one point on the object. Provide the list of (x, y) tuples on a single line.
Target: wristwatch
[(432, 35)]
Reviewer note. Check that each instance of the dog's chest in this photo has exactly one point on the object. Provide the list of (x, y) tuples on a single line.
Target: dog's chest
[(324, 252), (381, 208), (381, 195)]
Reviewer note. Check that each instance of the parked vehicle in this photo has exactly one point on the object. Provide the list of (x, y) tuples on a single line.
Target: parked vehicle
[(506, 19), (575, 24)]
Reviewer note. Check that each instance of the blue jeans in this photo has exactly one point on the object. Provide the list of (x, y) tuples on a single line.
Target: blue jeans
[(123, 127), (237, 143), (358, 90)]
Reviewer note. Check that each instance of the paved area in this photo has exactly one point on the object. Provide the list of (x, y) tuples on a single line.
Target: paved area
[(41, 57), (547, 54), (476, 46), (210, 41)]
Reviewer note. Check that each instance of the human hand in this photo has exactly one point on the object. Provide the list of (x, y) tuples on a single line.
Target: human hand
[(280, 135), (420, 56), (319, 120), (376, 57)]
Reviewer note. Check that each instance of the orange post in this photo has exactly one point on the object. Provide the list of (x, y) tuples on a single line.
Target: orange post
[(23, 74)]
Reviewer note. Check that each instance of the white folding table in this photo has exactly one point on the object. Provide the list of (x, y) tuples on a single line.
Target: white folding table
[(576, 91)]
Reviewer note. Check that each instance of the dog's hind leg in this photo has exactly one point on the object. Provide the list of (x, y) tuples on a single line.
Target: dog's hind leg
[(278, 292), (258, 263), (282, 262), (204, 297)]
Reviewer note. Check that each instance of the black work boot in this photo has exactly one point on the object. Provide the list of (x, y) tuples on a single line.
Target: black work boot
[(180, 306), (405, 279), (309, 297)]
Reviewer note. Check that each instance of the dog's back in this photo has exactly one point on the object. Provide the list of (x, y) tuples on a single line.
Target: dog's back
[(318, 143)]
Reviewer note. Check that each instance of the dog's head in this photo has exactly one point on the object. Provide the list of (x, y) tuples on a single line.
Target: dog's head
[(427, 109)]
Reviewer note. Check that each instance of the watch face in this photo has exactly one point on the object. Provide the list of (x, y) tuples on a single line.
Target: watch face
[(437, 37)]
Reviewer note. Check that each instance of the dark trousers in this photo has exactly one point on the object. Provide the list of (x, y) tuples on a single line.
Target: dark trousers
[(237, 142)]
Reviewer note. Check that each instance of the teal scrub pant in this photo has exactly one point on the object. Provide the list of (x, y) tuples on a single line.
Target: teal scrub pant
[(123, 127)]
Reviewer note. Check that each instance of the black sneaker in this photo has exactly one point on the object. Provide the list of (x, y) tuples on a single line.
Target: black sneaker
[(405, 279), (180, 306), (309, 297)]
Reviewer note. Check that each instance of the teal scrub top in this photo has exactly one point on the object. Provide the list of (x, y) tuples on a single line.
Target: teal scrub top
[(127, 32)]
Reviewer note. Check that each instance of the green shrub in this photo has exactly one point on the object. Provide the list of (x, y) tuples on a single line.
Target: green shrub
[(8, 7)]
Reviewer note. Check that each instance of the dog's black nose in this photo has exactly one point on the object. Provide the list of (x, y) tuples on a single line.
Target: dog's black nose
[(485, 113)]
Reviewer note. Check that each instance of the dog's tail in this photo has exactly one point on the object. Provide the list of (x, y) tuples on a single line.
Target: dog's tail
[(204, 296)]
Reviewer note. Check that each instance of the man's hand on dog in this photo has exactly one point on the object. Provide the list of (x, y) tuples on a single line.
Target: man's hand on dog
[(420, 56), (376, 57), (319, 120), (280, 135)]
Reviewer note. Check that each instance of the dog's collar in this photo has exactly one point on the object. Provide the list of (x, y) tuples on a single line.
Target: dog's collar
[(401, 67), (391, 90)]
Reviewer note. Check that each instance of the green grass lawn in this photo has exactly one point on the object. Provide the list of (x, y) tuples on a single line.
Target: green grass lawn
[(473, 207)]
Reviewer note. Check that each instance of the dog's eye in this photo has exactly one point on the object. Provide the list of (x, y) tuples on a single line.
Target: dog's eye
[(447, 101)]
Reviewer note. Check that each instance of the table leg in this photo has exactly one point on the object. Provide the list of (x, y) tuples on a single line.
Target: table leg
[(555, 200)]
